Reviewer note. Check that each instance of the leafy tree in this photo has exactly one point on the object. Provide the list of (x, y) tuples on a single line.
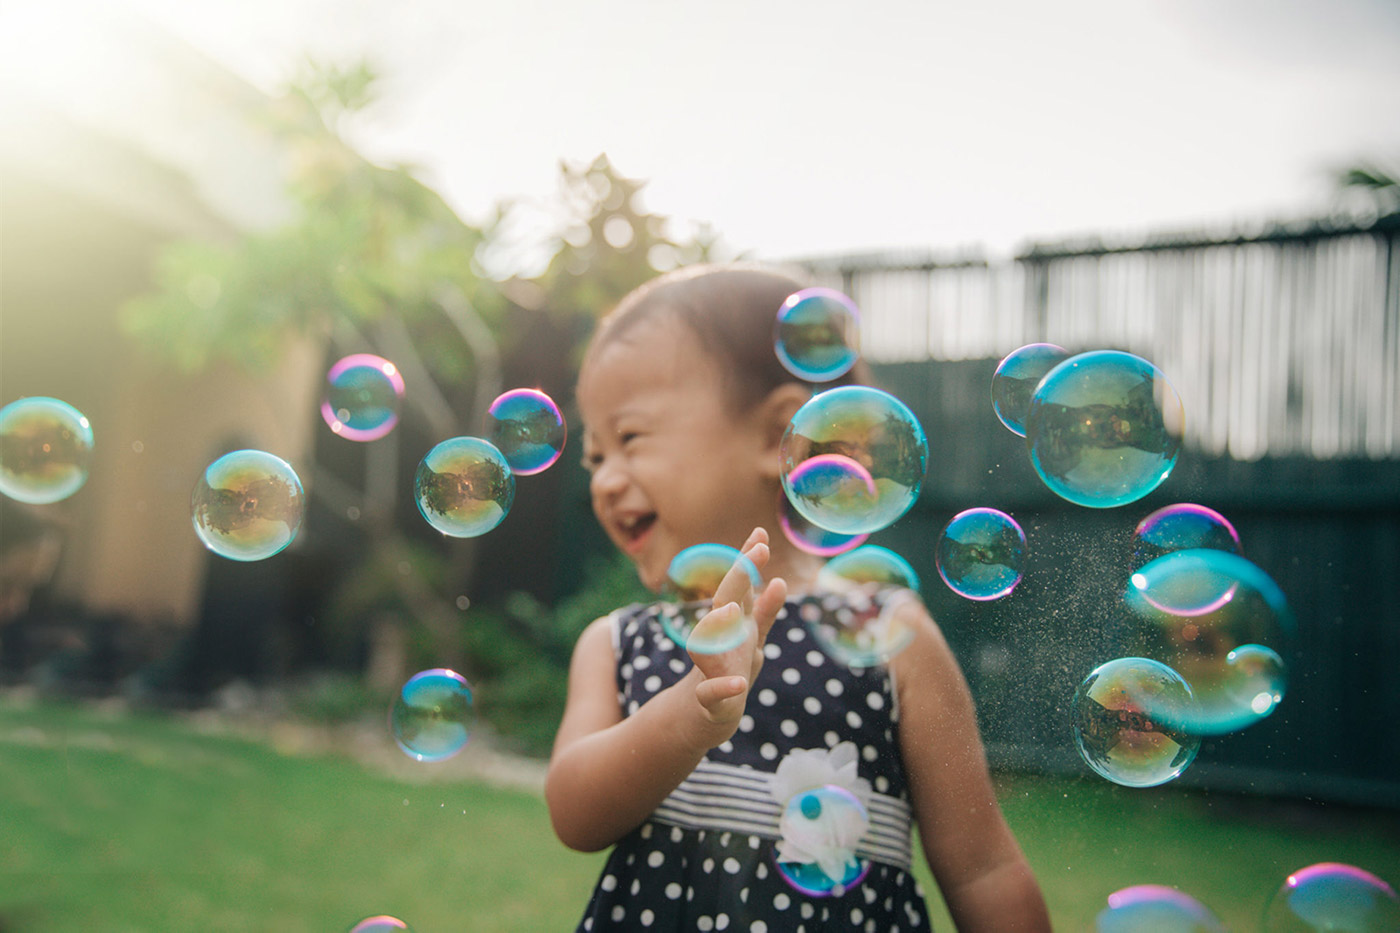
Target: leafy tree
[(378, 261), (1380, 183)]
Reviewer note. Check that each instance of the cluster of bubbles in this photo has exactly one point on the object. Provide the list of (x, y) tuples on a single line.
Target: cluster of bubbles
[(1103, 428), (1328, 897), (248, 505)]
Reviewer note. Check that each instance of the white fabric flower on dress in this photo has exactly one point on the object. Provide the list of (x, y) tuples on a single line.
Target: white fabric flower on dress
[(825, 811)]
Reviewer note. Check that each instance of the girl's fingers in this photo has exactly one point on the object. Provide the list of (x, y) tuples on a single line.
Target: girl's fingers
[(713, 624), (714, 691), (767, 606), (736, 585)]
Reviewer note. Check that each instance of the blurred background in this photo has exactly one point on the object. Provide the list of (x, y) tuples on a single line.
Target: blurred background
[(203, 206)]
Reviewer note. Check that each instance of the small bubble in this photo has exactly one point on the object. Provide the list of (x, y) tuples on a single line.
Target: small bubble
[(138, 447), (432, 715), (817, 334), (353, 513), (363, 395), (527, 428), (464, 487), (45, 450), (463, 603), (247, 505)]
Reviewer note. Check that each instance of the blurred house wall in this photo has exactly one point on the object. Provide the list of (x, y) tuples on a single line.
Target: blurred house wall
[(102, 162)]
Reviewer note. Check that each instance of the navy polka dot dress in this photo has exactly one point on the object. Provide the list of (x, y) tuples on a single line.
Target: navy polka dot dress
[(707, 859)]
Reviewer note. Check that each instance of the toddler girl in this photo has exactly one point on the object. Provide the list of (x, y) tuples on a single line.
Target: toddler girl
[(767, 787)]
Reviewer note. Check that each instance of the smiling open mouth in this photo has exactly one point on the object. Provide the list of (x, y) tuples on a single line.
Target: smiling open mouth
[(634, 529)]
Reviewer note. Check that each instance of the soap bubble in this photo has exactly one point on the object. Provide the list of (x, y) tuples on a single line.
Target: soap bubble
[(865, 625), (1155, 908), (817, 334), (1118, 726), (247, 505), (363, 395), (1331, 897), (527, 428), (431, 718), (820, 828), (814, 539), (1015, 380), (464, 487), (381, 924), (868, 564), (1255, 679), (870, 428), (1196, 608), (45, 450), (1180, 527), (831, 490), (980, 553), (1104, 428), (692, 579)]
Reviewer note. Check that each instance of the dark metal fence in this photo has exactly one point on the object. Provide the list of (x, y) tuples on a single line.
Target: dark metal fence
[(1285, 342), (1284, 347)]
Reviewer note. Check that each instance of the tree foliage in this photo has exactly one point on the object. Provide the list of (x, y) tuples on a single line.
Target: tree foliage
[(366, 242)]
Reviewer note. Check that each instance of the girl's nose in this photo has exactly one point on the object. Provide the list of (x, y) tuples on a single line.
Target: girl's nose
[(608, 480)]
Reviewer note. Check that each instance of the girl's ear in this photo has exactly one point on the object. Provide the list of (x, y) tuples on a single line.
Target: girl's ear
[(774, 414)]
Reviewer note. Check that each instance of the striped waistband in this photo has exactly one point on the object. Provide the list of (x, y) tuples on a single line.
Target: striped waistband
[(729, 798)]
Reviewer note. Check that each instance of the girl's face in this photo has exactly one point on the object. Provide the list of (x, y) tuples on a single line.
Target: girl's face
[(672, 465)]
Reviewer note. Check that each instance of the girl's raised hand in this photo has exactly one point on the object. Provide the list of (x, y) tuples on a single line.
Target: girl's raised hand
[(728, 675)]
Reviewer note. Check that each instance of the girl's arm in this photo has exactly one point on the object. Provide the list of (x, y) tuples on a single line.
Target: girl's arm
[(608, 773), (981, 871)]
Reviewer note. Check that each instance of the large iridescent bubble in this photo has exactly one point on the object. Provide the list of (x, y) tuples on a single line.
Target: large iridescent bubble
[(527, 428), (692, 579), (247, 505), (363, 395), (1104, 428), (817, 334), (1015, 380), (1179, 527), (464, 487), (45, 450), (980, 554), (862, 626), (1220, 622), (1331, 897), (1118, 724), (432, 716), (1155, 908), (868, 454)]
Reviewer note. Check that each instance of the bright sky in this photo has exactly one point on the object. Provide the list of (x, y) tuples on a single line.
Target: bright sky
[(799, 127)]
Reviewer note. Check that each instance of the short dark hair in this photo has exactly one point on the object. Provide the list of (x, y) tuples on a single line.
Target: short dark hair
[(732, 310)]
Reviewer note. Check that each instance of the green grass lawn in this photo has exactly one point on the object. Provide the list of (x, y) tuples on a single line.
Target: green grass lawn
[(134, 823)]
